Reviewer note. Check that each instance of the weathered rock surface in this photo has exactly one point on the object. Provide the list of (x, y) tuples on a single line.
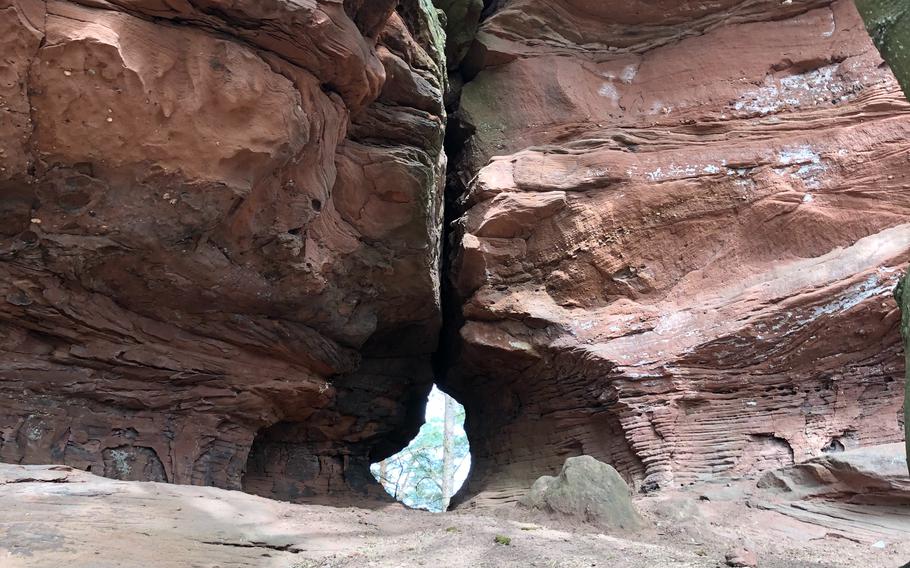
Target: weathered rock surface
[(873, 474), (862, 493), (856, 496), (682, 226), (220, 234), (888, 22), (55, 516), (219, 230), (589, 490), (741, 558)]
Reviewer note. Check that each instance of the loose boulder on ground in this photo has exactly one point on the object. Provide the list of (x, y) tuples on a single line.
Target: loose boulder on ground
[(587, 489)]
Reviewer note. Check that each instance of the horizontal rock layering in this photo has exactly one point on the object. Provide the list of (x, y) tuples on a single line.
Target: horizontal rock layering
[(220, 234), (219, 230), (682, 226)]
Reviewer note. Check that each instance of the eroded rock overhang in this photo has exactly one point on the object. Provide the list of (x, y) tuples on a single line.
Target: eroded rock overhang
[(219, 222)]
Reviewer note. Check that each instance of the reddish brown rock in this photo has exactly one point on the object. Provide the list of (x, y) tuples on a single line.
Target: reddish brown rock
[(876, 474), (682, 227), (220, 224), (741, 558), (220, 237)]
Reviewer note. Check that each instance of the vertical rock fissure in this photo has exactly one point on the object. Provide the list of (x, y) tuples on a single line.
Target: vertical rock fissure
[(229, 229), (463, 18), (299, 460)]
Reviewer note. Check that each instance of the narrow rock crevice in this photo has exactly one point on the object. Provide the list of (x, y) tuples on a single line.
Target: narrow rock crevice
[(243, 244), (277, 547)]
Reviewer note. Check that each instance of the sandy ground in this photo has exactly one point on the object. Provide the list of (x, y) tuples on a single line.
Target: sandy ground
[(53, 517)]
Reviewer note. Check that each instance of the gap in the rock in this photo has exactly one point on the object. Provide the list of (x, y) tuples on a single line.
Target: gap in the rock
[(433, 467)]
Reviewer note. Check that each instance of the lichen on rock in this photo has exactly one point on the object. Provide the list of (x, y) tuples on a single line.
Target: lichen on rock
[(588, 490)]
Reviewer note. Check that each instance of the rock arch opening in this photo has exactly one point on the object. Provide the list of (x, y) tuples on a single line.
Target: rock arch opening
[(435, 464)]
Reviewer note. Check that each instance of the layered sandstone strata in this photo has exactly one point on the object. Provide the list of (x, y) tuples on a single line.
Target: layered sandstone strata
[(682, 226), (219, 230)]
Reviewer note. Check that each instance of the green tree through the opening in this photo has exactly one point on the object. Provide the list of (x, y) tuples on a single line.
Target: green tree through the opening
[(432, 468)]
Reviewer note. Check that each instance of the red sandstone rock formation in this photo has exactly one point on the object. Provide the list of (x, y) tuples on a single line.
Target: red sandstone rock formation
[(220, 229), (218, 219), (683, 223)]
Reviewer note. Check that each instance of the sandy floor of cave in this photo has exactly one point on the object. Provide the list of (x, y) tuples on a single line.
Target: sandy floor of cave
[(52, 517)]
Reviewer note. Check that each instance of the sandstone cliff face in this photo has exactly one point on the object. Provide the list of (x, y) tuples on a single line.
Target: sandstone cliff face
[(678, 228), (682, 226), (219, 230)]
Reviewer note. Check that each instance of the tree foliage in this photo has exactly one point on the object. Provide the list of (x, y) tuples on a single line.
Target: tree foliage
[(416, 475), (888, 22)]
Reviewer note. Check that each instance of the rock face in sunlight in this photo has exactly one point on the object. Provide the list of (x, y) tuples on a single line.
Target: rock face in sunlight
[(219, 229), (682, 226)]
